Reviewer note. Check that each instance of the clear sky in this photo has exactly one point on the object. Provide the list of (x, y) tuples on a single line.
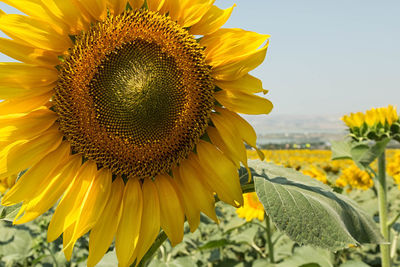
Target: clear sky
[(325, 57)]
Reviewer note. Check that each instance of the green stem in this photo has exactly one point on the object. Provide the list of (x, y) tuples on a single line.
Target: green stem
[(248, 188), (153, 249), (382, 198), (52, 256), (269, 240), (393, 220)]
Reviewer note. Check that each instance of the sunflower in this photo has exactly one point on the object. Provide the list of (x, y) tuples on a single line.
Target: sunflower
[(125, 112), (316, 173), (354, 178), (252, 208), (375, 124)]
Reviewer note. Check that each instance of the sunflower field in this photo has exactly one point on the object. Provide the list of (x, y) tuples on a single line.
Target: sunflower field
[(240, 237), (122, 144)]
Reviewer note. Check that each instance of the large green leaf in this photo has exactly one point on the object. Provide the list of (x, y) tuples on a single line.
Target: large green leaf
[(309, 212)]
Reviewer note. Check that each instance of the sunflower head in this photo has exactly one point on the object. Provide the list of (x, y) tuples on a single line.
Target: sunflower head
[(125, 114), (375, 124), (135, 94), (353, 177)]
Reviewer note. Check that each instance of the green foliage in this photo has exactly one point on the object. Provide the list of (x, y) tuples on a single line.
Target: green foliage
[(308, 257), (309, 212), (9, 213), (234, 242), (362, 153), (26, 245)]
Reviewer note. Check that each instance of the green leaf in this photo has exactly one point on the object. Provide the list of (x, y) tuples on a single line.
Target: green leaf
[(179, 262), (109, 259), (245, 237), (341, 149), (215, 244), (309, 212), (9, 213), (364, 154), (15, 243), (308, 256), (354, 263)]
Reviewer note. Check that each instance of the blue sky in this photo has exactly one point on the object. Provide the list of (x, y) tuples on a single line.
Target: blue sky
[(325, 57)]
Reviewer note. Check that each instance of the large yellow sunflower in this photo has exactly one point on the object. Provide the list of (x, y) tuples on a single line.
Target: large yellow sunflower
[(127, 113)]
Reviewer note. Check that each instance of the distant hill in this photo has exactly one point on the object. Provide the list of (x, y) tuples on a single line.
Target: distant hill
[(284, 130), (273, 124)]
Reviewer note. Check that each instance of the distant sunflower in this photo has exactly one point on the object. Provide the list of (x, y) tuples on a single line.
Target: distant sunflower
[(252, 208), (375, 124), (122, 113), (353, 177)]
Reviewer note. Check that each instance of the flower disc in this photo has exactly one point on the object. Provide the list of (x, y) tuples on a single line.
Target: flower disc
[(135, 94)]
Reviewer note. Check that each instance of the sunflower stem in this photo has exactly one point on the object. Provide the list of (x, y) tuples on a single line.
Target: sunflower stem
[(248, 188), (269, 240), (153, 249), (52, 256), (383, 220)]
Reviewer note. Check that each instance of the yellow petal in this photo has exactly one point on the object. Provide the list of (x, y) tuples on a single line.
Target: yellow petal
[(189, 12), (28, 54), (27, 153), (103, 232), (239, 67), (172, 212), (150, 226), (129, 225), (229, 45), (25, 103), (9, 93), (34, 176), (155, 5), (220, 173), (197, 195), (92, 204), (74, 18), (192, 211), (38, 10), (27, 30), (244, 103), (211, 21), (231, 138), (117, 6), (50, 190), (218, 141), (65, 16), (25, 76), (67, 211), (96, 8), (247, 84), (244, 129), (67, 236), (232, 53), (136, 4), (24, 126)]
